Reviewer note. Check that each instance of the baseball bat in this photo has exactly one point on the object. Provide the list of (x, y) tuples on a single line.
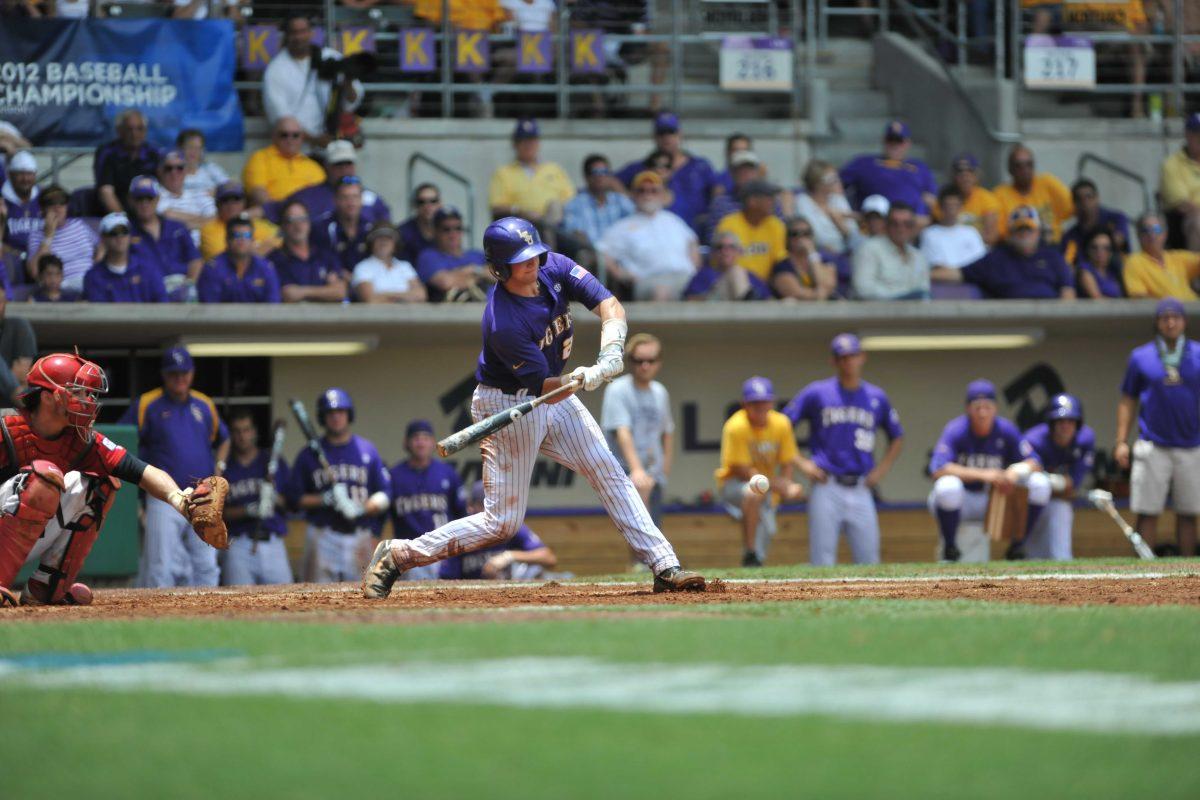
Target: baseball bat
[(486, 427), (310, 433), (1104, 501), (265, 500)]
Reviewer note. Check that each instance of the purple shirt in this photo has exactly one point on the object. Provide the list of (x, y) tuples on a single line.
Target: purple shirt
[(424, 499), (113, 165), (529, 339), (706, 278), (1005, 274), (139, 283), (23, 218), (313, 271), (178, 438), (1111, 220), (957, 444), (245, 482), (171, 251), (842, 424), (414, 242), (65, 296), (328, 235), (432, 261), (1074, 461), (318, 199), (899, 181), (219, 282), (692, 186), (470, 566), (1168, 404), (1110, 284), (357, 465)]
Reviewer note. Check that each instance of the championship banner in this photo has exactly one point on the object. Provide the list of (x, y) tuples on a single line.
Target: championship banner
[(587, 51), (417, 50), (535, 52), (62, 82), (472, 52)]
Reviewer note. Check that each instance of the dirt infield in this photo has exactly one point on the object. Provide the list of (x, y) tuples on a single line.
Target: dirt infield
[(344, 602)]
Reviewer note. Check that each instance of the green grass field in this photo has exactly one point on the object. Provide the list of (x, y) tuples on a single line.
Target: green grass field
[(846, 698)]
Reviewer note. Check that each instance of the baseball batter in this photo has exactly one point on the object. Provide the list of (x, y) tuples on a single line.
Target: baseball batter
[(425, 492), (344, 510), (970, 456), (524, 557), (528, 334), (1162, 387), (1065, 449), (843, 413), (254, 510)]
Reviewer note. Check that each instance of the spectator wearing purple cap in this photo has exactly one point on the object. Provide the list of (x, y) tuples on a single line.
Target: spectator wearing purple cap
[(757, 440), (692, 181), (344, 231), (1091, 217), (1162, 387), (161, 242), (1157, 271), (426, 492), (892, 174), (122, 276), (192, 207), (307, 273), (889, 267), (238, 275), (980, 208), (341, 161), (1179, 182), (118, 162), (949, 243), (1021, 268), (69, 238), (529, 187), (231, 204), (19, 193), (451, 272), (724, 278)]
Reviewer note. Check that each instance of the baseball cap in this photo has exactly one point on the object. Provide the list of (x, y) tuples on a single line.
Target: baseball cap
[(1024, 217), (230, 189), (477, 493), (759, 188), (897, 131), (666, 122), (111, 222), (526, 129), (418, 426), (876, 204), (177, 359), (22, 162), (1193, 122), (964, 162), (172, 155), (757, 388), (846, 344), (446, 212), (143, 186), (340, 151), (383, 228), (1169, 305), (646, 176), (980, 390), (744, 158)]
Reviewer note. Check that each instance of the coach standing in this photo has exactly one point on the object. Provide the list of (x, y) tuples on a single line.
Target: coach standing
[(1162, 384), (178, 429)]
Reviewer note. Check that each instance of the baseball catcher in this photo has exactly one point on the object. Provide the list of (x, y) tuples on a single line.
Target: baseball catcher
[(58, 478)]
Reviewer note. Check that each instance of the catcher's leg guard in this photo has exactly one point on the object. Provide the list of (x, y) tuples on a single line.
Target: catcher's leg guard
[(27, 503), (84, 507)]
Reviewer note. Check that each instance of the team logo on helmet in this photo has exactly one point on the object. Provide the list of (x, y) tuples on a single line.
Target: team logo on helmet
[(526, 235)]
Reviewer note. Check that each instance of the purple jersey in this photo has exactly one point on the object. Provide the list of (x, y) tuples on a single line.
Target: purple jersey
[(1001, 447), (245, 482), (842, 424), (171, 251), (528, 339), (356, 464), (178, 438), (899, 181), (329, 236), (706, 279), (312, 271), (23, 218), (414, 241), (424, 499), (318, 199), (139, 283), (1075, 461), (1168, 399), (470, 566), (431, 261), (691, 186), (1006, 274), (220, 283)]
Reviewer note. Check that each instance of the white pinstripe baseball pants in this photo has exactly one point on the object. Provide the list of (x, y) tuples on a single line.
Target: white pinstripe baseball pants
[(565, 432)]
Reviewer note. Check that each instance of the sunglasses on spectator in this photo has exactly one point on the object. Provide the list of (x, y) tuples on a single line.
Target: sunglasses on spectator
[(638, 362), (231, 197), (600, 171), (661, 165), (725, 246), (1099, 246), (144, 198), (801, 233), (118, 232), (173, 167), (241, 235), (428, 201), (289, 134), (902, 223), (646, 190), (449, 228), (1022, 163), (1153, 230), (296, 218)]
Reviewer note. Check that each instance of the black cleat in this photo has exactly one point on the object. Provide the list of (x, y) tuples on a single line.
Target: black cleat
[(951, 553), (1015, 552), (750, 559), (676, 579)]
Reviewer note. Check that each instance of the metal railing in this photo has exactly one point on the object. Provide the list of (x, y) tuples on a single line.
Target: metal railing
[(441, 169), (1086, 158)]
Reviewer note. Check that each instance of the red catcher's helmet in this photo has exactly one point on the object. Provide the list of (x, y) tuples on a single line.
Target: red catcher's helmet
[(78, 381)]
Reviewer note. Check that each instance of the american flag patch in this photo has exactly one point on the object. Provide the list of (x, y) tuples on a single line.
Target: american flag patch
[(578, 272)]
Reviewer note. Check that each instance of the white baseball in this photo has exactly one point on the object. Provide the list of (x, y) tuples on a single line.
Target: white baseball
[(759, 484)]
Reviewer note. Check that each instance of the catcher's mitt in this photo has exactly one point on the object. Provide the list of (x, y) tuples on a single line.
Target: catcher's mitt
[(206, 511)]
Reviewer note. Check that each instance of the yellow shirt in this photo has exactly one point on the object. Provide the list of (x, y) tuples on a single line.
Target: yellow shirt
[(1048, 195), (763, 245), (977, 206), (212, 236), (467, 15), (530, 191), (281, 176), (763, 449), (1145, 277), (1179, 179)]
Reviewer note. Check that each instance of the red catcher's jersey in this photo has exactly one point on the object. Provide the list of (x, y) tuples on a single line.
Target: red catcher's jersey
[(98, 455)]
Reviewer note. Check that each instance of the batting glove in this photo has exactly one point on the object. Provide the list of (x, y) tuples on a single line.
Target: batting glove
[(591, 378), (337, 497)]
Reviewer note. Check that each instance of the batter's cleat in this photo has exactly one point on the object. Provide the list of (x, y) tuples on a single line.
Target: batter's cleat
[(677, 579), (951, 553), (751, 559), (1015, 552), (381, 572), (1166, 550), (7, 598)]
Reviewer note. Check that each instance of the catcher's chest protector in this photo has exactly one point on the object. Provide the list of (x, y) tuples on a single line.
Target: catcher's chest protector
[(22, 447)]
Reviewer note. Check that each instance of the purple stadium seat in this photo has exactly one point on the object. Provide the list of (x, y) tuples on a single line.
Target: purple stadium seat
[(955, 291)]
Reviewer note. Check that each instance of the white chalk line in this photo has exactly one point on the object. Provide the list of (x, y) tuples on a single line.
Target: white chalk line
[(1060, 701)]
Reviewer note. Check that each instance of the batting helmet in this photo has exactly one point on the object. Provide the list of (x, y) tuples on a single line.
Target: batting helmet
[(1064, 406), (509, 241), (334, 399), (78, 381)]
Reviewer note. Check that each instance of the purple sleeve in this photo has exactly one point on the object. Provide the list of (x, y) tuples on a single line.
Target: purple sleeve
[(1012, 445), (1065, 277), (522, 355), (299, 484), (428, 264), (187, 247), (158, 291), (889, 418), (130, 415), (379, 479), (208, 286), (630, 171), (272, 278), (943, 451), (700, 284), (222, 432), (283, 477), (928, 183), (797, 407), (583, 286), (1134, 381), (525, 540), (850, 175)]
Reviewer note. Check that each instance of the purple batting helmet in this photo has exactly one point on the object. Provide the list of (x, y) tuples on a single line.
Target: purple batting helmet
[(509, 241), (334, 399), (1064, 406)]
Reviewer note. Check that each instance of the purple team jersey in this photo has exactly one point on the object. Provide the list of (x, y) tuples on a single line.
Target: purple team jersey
[(1001, 447), (1005, 274), (528, 339), (356, 464), (424, 499), (1074, 461), (470, 566), (899, 181), (1168, 400), (177, 437), (245, 481), (842, 424)]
